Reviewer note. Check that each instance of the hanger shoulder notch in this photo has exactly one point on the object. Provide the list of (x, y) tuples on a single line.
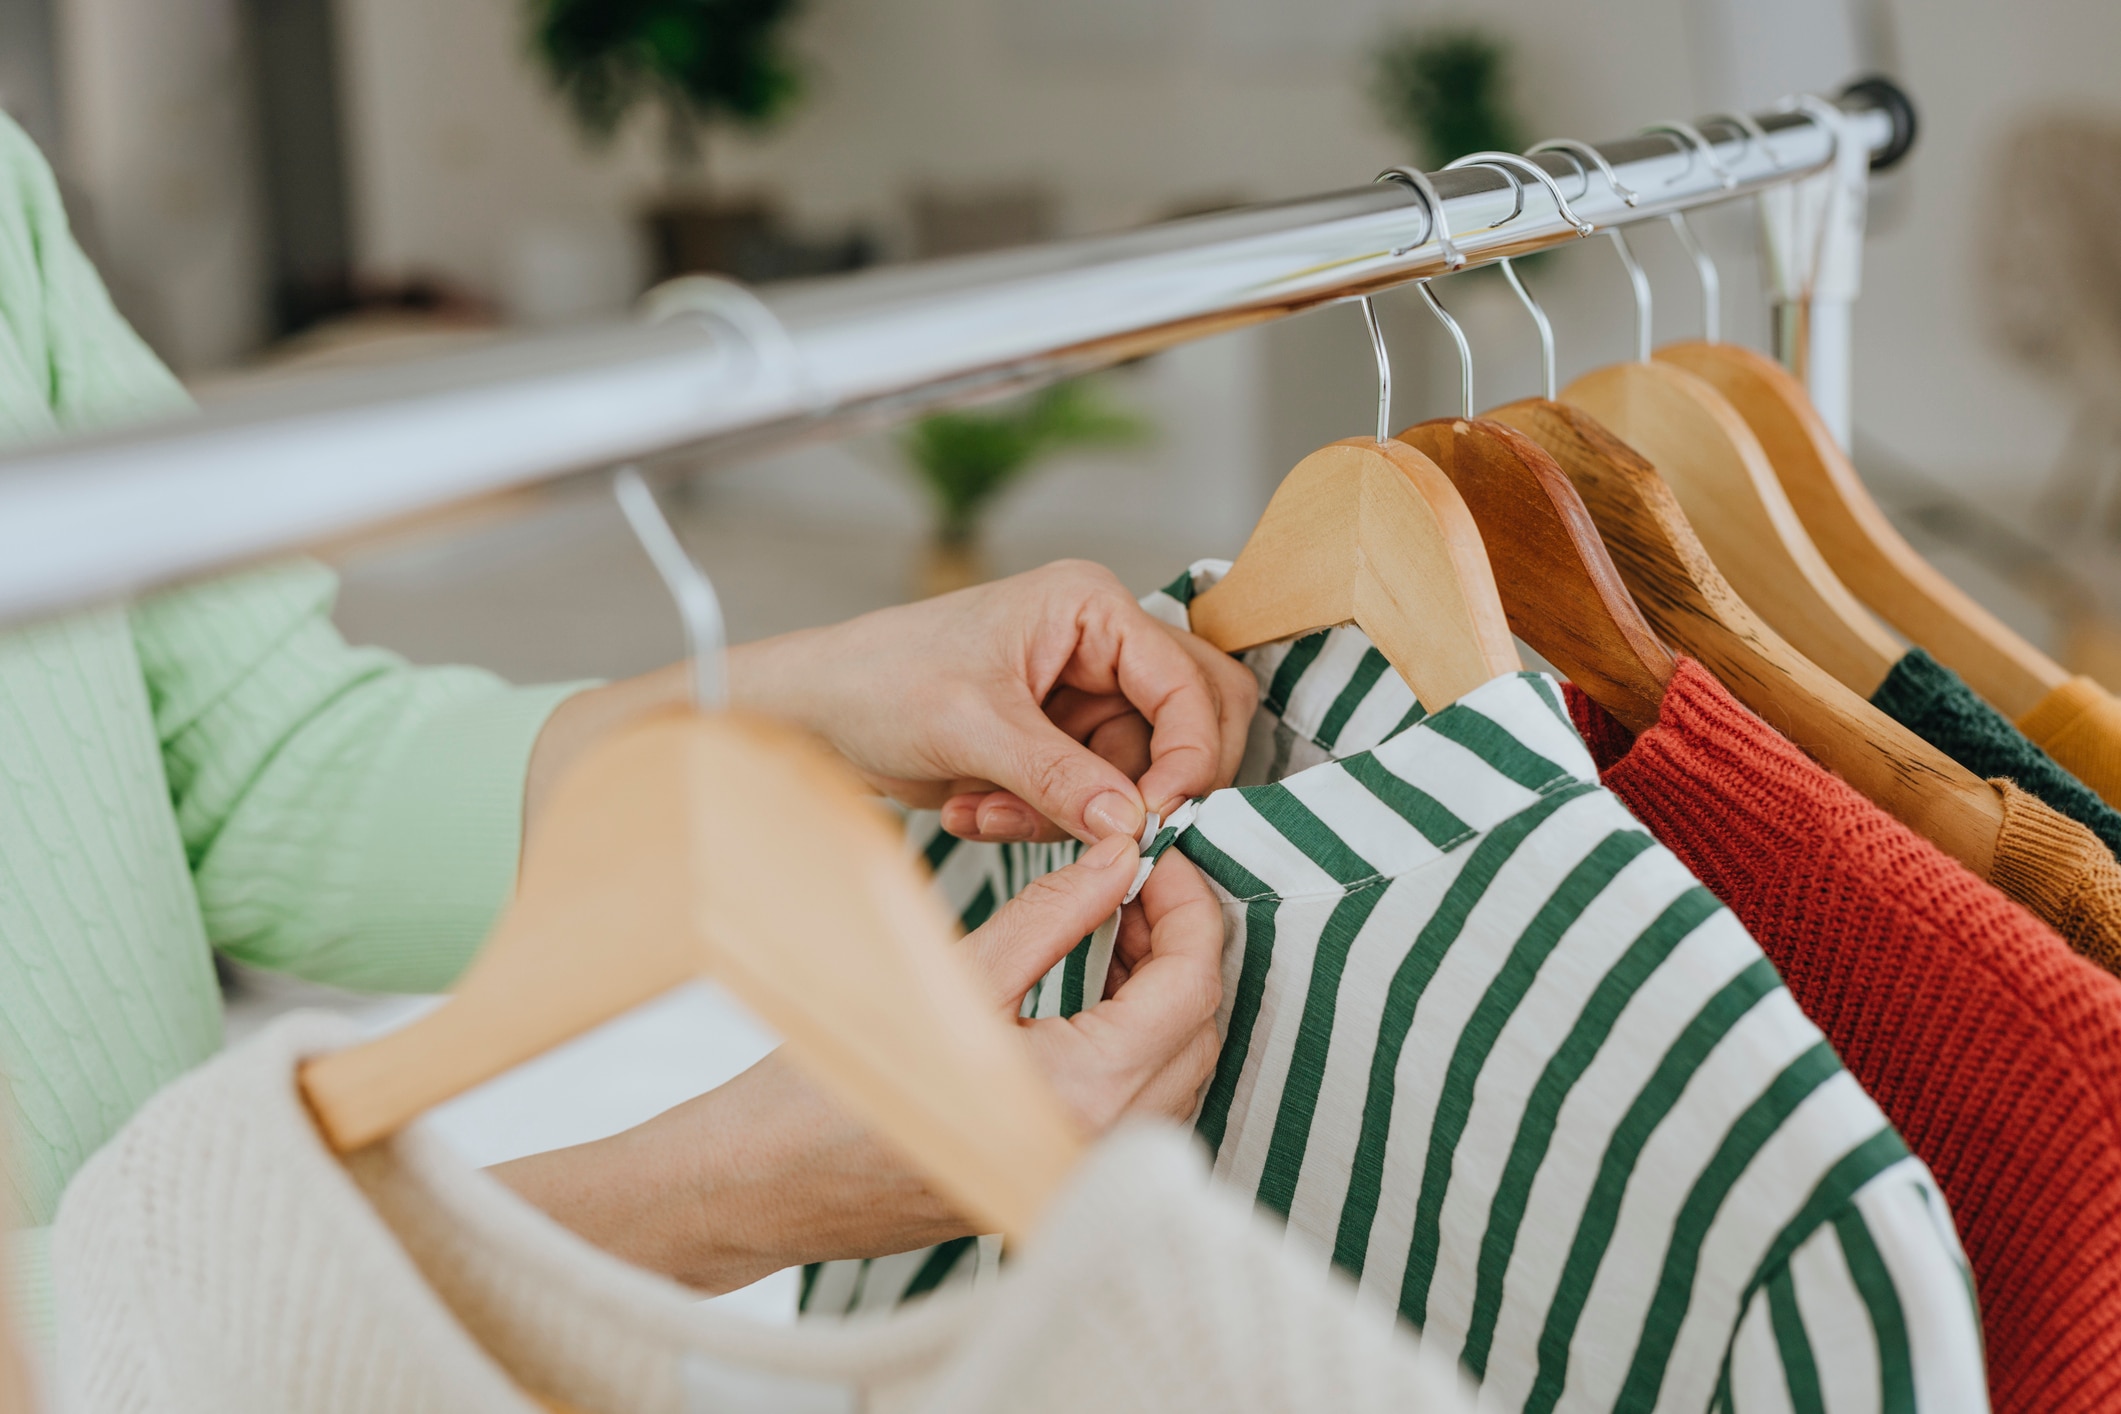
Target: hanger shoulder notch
[(1716, 467), (1558, 585), (1372, 534), (1693, 608), (1860, 544)]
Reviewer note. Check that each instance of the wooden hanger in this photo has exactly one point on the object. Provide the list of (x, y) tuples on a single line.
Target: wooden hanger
[(1856, 539), (1370, 532), (1723, 480), (1558, 585), (688, 844), (1694, 608)]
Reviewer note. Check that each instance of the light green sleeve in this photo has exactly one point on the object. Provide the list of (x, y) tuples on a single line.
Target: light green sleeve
[(348, 817)]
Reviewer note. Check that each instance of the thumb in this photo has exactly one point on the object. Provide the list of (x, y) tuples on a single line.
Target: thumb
[(1064, 780), (1055, 911)]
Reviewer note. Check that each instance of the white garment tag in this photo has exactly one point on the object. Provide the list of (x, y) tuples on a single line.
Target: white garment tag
[(713, 1387)]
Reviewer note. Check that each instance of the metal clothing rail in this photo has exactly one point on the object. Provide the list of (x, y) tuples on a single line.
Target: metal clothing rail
[(88, 519)]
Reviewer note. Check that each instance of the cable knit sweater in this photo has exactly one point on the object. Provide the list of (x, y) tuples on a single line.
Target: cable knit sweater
[(216, 1258), (212, 767), (1994, 1050)]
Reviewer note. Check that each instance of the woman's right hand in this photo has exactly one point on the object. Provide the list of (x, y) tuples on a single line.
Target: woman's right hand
[(768, 1171)]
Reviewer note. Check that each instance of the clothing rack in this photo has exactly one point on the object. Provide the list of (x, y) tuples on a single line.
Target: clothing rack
[(89, 519)]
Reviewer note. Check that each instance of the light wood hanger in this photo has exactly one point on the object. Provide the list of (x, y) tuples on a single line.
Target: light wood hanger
[(1856, 539), (687, 844), (1558, 585), (1722, 478), (1696, 610), (1370, 532)]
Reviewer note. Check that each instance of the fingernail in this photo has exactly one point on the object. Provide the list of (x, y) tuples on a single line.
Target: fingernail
[(1115, 814), (1006, 820), (1109, 851)]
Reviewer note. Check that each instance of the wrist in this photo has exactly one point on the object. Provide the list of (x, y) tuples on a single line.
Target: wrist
[(778, 677)]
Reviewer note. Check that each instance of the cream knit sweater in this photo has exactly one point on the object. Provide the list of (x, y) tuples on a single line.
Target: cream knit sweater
[(217, 1257)]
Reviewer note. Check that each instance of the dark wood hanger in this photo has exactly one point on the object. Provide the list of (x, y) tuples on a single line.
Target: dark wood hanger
[(1695, 610), (1558, 586)]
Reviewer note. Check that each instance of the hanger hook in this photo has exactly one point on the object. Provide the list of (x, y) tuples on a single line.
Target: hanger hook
[(1453, 257), (706, 639), (1711, 283), (1504, 162), (1752, 137), (1458, 337), (1384, 368), (1821, 114), (1692, 142), (1583, 151), (1641, 283)]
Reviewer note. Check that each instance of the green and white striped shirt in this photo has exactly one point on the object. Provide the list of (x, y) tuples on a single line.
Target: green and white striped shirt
[(1491, 1049)]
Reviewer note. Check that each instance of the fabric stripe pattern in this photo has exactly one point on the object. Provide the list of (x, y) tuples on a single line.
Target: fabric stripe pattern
[(1490, 1049)]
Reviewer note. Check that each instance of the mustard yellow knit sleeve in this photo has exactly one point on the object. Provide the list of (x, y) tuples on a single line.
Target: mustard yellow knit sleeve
[(2079, 724), (2061, 874)]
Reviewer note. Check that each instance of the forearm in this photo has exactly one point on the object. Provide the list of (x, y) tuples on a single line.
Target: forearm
[(756, 1176)]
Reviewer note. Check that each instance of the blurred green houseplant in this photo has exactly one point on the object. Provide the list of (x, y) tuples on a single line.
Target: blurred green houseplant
[(1446, 90), (966, 459), (701, 61)]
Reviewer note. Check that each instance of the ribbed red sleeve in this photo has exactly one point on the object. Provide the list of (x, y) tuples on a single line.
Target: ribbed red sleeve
[(1995, 1050)]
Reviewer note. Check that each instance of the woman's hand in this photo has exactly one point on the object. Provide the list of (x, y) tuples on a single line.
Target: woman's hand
[(1043, 706), (767, 1171)]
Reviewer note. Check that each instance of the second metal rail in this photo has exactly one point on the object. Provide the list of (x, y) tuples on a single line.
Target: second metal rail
[(88, 519)]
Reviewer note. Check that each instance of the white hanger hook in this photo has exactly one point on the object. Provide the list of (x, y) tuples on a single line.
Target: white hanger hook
[(1693, 143), (1509, 163), (706, 637)]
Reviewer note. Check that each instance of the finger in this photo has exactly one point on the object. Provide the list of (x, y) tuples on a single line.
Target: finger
[(1055, 911), (999, 817), (1235, 693), (1177, 986), (1119, 646), (1059, 777), (1174, 1091)]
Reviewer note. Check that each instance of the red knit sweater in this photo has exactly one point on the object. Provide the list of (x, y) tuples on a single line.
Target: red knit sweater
[(1994, 1049)]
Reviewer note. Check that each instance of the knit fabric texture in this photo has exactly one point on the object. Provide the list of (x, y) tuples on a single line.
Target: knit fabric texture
[(1935, 704), (1994, 1049), (2059, 870), (2079, 725), (217, 1257), (212, 767)]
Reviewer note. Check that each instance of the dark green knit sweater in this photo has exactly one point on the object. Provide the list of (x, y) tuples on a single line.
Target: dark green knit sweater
[(1932, 701)]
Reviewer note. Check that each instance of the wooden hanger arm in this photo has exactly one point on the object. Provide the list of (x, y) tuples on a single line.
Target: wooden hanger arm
[(1859, 542), (1708, 456), (1694, 608), (1558, 586), (1372, 534), (686, 845)]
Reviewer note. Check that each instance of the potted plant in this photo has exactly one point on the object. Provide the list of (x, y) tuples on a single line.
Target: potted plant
[(966, 459), (1446, 91), (703, 63)]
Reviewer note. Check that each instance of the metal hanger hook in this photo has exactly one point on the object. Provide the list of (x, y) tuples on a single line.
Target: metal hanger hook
[(1711, 283), (706, 636), (1509, 163), (1693, 143), (1458, 337), (1384, 368), (1584, 152), (1503, 162), (1821, 114), (1641, 283), (1439, 228), (1752, 136)]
